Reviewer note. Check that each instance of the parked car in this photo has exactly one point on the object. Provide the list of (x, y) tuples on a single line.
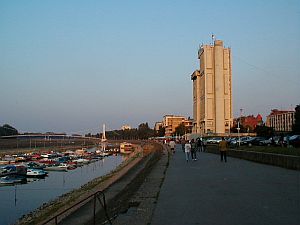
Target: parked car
[(255, 141), (215, 140), (295, 140), (267, 141)]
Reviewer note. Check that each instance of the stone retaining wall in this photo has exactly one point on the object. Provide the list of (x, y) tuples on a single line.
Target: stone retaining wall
[(286, 161)]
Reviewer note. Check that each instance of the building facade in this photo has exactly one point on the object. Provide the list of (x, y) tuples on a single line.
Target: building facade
[(281, 121), (212, 90), (171, 122), (126, 127), (249, 123), (158, 126)]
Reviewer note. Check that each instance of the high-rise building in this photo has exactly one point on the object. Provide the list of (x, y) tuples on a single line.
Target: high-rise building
[(212, 90)]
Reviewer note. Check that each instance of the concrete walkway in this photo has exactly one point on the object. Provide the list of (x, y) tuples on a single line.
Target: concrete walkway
[(238, 192)]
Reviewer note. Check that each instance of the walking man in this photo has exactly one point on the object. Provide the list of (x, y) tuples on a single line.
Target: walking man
[(183, 144), (193, 149), (223, 147), (199, 145)]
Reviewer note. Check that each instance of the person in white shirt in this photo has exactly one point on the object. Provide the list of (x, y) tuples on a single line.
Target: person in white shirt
[(172, 145), (187, 150)]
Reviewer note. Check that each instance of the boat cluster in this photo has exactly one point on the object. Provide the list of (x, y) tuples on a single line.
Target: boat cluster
[(16, 169)]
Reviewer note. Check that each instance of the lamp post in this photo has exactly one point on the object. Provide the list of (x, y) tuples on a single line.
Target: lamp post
[(238, 129)]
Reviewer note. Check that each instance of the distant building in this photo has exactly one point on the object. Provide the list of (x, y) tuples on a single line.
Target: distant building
[(171, 122), (212, 90), (249, 122), (158, 126), (126, 127), (281, 120)]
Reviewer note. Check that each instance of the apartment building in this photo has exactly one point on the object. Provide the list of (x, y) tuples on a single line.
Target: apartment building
[(212, 90), (281, 120)]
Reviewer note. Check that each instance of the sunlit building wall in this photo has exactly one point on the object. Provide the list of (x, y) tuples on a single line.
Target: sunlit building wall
[(212, 90), (281, 121)]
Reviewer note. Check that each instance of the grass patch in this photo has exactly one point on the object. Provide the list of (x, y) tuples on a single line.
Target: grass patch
[(272, 149)]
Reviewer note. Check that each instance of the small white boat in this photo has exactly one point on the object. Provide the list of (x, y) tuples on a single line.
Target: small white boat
[(12, 179), (81, 161), (36, 173), (56, 168)]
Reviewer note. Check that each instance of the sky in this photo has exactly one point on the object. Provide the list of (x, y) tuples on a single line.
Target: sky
[(71, 66)]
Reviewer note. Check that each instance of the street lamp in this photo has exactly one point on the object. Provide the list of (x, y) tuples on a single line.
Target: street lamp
[(238, 129)]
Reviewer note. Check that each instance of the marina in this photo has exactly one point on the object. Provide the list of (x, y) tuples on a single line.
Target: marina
[(21, 196)]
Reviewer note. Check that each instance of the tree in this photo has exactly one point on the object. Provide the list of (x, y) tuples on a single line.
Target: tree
[(296, 125), (181, 129), (264, 131), (144, 132), (7, 130), (161, 132)]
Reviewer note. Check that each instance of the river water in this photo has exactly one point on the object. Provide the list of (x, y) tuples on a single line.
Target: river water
[(19, 200)]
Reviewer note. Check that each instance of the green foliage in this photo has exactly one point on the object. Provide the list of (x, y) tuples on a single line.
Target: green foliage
[(181, 130), (296, 125), (161, 132), (264, 131), (7, 130), (142, 132), (270, 149)]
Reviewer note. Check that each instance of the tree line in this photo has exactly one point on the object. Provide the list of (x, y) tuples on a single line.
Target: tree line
[(142, 132), (7, 130)]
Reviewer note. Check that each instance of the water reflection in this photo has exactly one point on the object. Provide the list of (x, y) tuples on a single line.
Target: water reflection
[(21, 199)]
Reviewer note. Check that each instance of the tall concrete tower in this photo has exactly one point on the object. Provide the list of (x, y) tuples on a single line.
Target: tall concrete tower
[(212, 90)]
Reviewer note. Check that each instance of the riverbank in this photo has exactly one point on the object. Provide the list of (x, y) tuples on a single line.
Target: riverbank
[(50, 209)]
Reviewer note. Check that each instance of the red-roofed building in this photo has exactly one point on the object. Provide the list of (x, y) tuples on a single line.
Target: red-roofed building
[(249, 122)]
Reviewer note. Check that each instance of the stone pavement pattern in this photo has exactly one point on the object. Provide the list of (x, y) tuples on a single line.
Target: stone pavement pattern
[(238, 192)]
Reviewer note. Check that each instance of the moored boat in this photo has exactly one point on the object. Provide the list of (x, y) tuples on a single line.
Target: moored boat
[(55, 168), (35, 165), (13, 169), (81, 161), (36, 173), (12, 179)]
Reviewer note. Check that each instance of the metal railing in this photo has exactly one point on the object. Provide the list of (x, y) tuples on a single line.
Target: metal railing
[(94, 196)]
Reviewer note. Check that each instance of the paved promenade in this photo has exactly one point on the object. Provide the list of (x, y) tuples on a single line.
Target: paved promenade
[(238, 192)]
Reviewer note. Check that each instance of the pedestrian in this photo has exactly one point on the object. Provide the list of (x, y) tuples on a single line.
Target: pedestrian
[(204, 145), (182, 144), (199, 145), (223, 147), (172, 145), (187, 150), (193, 149)]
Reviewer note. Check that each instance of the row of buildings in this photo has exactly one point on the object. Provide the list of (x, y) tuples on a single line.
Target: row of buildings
[(212, 99), (279, 120)]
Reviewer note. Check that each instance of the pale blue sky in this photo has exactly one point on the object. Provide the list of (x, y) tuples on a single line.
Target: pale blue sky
[(72, 65)]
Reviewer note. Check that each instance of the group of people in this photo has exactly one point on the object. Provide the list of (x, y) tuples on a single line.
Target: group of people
[(191, 147)]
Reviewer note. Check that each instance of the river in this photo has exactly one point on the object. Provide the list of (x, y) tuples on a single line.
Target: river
[(22, 199)]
